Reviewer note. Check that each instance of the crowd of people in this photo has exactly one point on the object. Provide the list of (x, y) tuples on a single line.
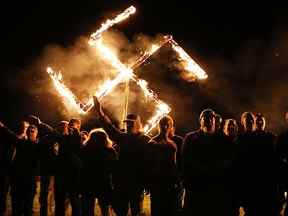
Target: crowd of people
[(214, 170)]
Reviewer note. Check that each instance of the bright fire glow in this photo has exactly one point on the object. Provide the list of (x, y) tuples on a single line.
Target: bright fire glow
[(188, 63), (162, 108), (126, 72), (109, 23), (63, 90)]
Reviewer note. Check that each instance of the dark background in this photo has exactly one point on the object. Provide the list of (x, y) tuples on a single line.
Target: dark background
[(243, 48)]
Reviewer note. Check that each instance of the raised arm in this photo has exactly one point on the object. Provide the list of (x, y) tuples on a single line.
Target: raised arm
[(8, 133), (114, 133)]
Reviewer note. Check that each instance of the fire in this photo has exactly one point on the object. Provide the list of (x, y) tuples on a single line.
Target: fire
[(189, 64), (109, 23), (127, 72), (64, 90), (162, 108)]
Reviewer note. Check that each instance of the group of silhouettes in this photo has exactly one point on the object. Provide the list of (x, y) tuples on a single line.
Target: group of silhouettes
[(214, 170)]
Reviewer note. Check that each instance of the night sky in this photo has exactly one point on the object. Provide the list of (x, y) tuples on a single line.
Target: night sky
[(243, 48)]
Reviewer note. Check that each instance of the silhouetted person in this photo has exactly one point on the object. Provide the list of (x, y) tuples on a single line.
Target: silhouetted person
[(7, 154), (282, 154), (163, 170), (206, 166), (178, 140), (25, 168), (218, 124), (230, 131), (43, 128), (49, 151), (259, 160), (130, 171), (84, 137), (99, 160), (67, 178)]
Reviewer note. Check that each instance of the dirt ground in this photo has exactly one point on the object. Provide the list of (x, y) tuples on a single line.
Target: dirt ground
[(36, 207)]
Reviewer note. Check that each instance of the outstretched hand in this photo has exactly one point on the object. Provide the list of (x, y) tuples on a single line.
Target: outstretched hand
[(1, 125), (97, 105)]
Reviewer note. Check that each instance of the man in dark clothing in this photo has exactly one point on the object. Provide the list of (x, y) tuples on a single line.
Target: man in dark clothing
[(178, 140), (67, 173), (44, 132), (24, 169), (49, 151), (258, 162), (7, 154), (282, 156), (245, 139), (99, 160), (230, 133), (218, 124), (163, 170), (43, 128), (130, 175), (206, 165)]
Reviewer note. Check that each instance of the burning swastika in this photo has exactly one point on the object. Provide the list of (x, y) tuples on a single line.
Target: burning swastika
[(126, 72)]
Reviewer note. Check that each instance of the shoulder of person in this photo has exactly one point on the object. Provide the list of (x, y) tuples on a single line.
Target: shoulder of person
[(145, 137), (152, 141), (192, 135), (177, 138), (112, 153)]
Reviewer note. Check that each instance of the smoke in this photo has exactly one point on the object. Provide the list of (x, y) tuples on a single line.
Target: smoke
[(254, 80), (84, 70)]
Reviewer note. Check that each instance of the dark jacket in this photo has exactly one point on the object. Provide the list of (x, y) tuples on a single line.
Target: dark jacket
[(206, 165), (163, 168), (98, 166), (26, 161), (131, 169)]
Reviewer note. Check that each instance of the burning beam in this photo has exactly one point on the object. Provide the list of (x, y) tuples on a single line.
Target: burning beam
[(162, 108), (127, 72), (124, 71), (189, 64), (109, 23), (64, 91)]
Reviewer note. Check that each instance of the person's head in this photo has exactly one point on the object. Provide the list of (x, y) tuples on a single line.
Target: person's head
[(32, 133), (166, 126), (98, 138), (218, 122), (286, 117), (33, 120), (22, 127), (230, 128), (84, 136), (247, 121), (207, 121), (260, 122), (75, 124), (62, 127), (133, 123)]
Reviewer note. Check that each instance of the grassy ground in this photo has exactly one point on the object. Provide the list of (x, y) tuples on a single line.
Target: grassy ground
[(36, 207)]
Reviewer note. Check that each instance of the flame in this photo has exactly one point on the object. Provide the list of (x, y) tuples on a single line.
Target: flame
[(127, 73), (188, 63), (64, 90), (162, 108), (109, 23), (124, 71)]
